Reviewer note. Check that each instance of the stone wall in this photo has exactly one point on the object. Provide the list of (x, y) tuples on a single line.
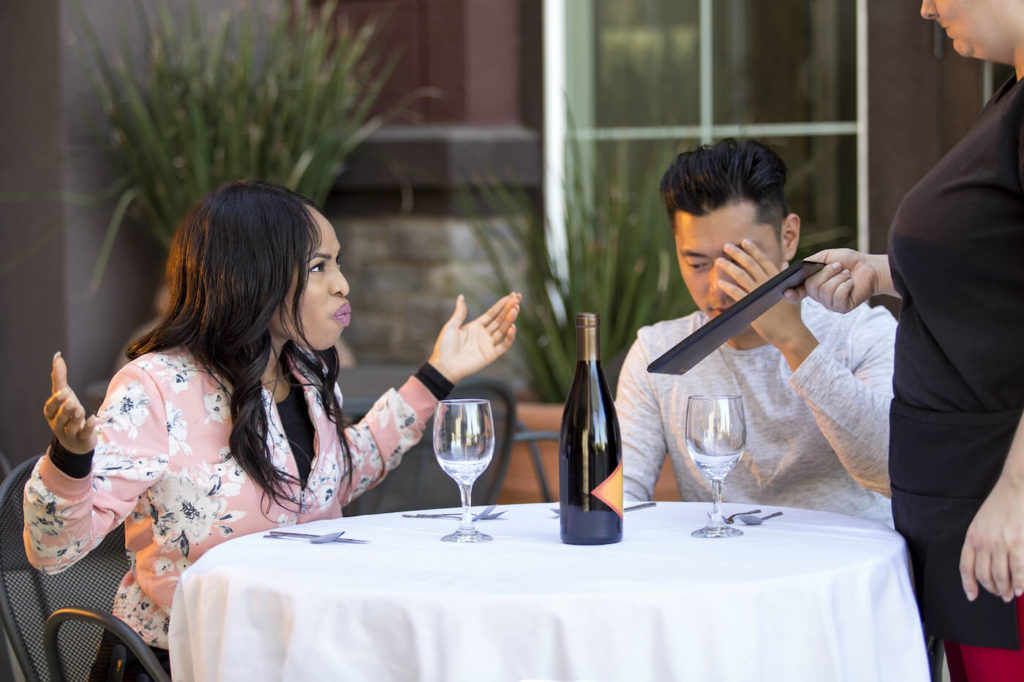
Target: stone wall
[(405, 273)]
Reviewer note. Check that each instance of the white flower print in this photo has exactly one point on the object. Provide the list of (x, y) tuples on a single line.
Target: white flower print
[(198, 504), (184, 510), (313, 399), (216, 404), (229, 479), (111, 462), (325, 478), (127, 410), (165, 565), (177, 430), (381, 412), (277, 441), (137, 610), (178, 371)]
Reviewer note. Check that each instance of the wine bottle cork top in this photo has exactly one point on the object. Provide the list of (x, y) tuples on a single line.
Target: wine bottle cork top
[(588, 319)]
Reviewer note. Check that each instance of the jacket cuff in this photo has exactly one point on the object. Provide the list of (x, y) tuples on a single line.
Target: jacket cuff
[(74, 465), (419, 398), (434, 381), (61, 484)]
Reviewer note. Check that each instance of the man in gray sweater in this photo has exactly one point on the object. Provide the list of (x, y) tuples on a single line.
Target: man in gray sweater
[(816, 385)]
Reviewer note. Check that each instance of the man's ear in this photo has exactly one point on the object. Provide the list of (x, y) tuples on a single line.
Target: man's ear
[(789, 236)]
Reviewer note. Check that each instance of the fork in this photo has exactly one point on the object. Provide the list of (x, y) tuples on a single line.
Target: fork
[(315, 539), (751, 520), (632, 507), (484, 515)]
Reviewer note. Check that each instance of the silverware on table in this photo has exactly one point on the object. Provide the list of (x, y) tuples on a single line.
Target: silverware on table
[(732, 517), (487, 514), (752, 520), (632, 507), (315, 539)]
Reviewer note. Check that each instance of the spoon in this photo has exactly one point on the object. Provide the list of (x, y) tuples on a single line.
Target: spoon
[(731, 517), (752, 520)]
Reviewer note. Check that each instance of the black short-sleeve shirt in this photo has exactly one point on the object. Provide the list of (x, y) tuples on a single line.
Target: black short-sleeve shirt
[(957, 254)]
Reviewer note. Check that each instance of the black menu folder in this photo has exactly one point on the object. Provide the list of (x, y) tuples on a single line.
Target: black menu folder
[(698, 345)]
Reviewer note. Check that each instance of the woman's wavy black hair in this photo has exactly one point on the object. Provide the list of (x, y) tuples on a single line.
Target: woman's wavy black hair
[(232, 264)]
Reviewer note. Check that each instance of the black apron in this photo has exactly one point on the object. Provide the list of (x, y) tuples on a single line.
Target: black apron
[(941, 471)]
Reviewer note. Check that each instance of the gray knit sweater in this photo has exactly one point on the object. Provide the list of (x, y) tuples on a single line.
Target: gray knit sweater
[(817, 438)]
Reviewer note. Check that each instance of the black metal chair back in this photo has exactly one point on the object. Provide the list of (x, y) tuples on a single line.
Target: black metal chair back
[(28, 597), (419, 482)]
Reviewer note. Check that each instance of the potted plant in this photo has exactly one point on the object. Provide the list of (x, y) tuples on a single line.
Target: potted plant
[(283, 97), (617, 259)]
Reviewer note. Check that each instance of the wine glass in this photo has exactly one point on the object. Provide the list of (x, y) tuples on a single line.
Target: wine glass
[(715, 436), (463, 444)]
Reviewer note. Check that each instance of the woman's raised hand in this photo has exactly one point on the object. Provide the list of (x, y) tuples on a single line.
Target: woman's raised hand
[(462, 349), (848, 279), (65, 414)]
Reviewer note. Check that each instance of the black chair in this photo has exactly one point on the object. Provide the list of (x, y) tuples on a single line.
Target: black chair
[(531, 439), (55, 622), (419, 482), (936, 658)]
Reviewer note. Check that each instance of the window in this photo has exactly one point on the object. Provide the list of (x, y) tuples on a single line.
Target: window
[(646, 79)]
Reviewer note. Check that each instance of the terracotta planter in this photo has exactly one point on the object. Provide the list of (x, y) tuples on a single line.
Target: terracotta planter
[(521, 484)]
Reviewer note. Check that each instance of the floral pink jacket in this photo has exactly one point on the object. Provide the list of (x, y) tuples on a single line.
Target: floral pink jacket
[(162, 466)]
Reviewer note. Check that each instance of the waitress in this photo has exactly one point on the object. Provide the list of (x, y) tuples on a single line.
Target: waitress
[(956, 259)]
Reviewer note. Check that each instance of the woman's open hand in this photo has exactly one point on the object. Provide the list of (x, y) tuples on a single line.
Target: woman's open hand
[(462, 349), (65, 414)]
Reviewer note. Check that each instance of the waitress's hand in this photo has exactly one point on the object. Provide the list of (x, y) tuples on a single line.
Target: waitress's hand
[(462, 349), (848, 279), (65, 414), (993, 551)]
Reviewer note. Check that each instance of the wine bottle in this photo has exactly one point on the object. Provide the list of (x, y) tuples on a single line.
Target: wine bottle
[(589, 449)]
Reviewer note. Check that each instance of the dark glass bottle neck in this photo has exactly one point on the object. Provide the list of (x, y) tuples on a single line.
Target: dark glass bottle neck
[(588, 347)]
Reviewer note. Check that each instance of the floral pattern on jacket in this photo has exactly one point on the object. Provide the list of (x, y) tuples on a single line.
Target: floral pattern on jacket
[(162, 466)]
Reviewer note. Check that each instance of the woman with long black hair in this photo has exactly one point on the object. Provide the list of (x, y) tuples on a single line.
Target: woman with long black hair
[(228, 420)]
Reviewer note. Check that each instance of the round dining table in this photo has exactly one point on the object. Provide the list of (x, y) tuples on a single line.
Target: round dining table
[(806, 596)]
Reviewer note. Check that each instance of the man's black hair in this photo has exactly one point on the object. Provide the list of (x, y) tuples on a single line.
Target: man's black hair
[(713, 176)]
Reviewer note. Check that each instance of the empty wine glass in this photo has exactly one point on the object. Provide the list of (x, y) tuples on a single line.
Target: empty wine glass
[(715, 435), (463, 444)]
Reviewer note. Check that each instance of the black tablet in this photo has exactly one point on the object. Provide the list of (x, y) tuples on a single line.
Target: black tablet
[(698, 345)]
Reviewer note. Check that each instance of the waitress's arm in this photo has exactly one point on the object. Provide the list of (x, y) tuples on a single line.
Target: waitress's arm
[(993, 551)]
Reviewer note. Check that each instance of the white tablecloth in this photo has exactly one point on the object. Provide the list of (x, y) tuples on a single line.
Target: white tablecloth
[(806, 596)]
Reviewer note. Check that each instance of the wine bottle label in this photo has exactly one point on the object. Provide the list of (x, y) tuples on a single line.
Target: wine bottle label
[(610, 490)]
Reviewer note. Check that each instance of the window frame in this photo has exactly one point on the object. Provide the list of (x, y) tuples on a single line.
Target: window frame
[(557, 52)]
